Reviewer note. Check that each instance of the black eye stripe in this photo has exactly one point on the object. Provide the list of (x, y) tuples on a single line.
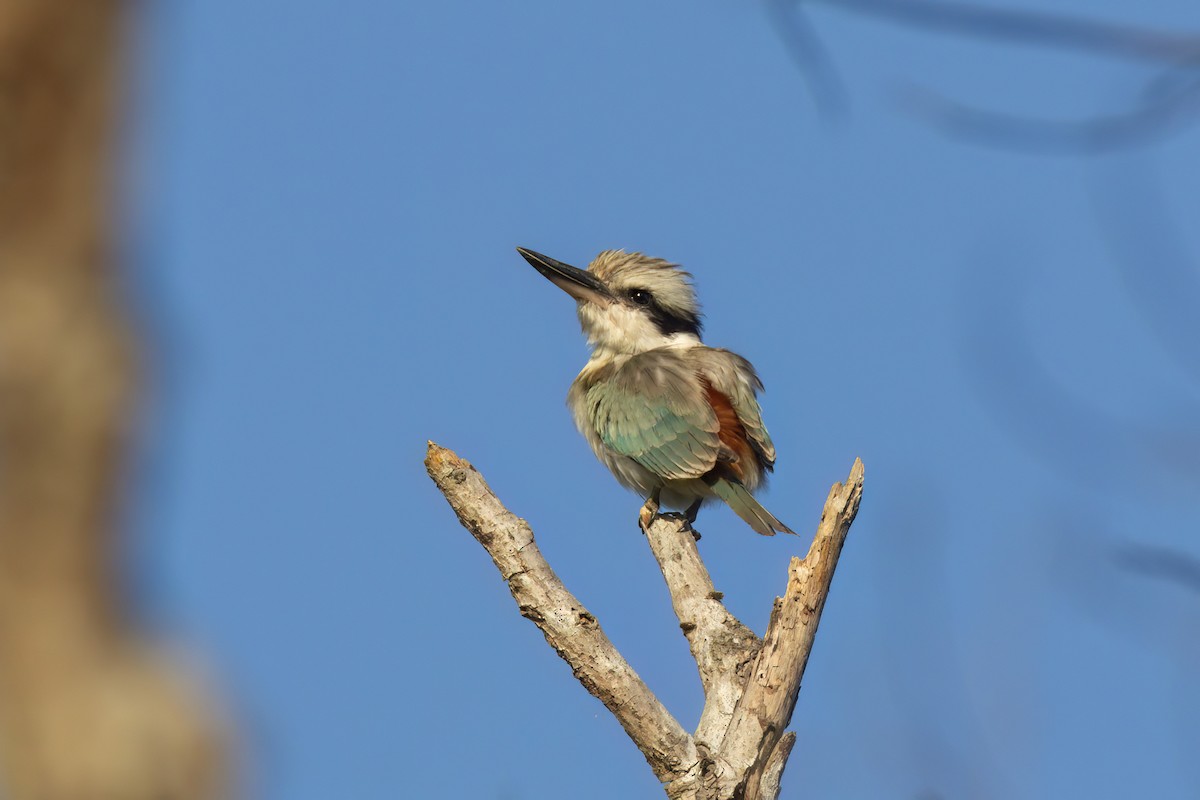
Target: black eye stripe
[(667, 321)]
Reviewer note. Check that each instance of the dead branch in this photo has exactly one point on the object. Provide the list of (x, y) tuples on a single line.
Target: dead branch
[(1034, 27), (1168, 103), (1153, 118), (722, 646), (766, 705), (568, 627), (750, 685)]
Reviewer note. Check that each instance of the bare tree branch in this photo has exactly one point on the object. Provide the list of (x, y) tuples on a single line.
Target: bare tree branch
[(1150, 248), (1034, 28), (750, 685), (766, 707), (1161, 563), (773, 772), (1155, 117), (568, 627), (1168, 104), (722, 646), (808, 53)]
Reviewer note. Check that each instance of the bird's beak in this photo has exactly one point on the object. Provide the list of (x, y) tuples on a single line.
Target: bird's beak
[(580, 284)]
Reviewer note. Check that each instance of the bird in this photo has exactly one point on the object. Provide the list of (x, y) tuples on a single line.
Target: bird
[(673, 419)]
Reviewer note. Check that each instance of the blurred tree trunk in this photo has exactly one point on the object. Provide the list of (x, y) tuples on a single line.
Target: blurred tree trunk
[(87, 710)]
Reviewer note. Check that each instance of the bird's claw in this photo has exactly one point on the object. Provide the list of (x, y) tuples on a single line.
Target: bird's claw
[(650, 513), (690, 515), (686, 521)]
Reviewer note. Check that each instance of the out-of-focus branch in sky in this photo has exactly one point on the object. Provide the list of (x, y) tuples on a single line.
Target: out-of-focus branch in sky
[(1060, 31), (1168, 103)]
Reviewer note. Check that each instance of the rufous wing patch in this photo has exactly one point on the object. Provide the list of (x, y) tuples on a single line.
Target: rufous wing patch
[(731, 432)]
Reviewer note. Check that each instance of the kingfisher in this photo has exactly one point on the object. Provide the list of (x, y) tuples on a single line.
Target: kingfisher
[(673, 419)]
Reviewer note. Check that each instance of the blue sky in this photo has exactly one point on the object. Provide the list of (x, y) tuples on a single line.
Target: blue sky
[(323, 206)]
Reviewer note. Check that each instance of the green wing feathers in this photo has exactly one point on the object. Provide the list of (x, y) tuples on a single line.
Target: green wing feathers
[(654, 412), (659, 409)]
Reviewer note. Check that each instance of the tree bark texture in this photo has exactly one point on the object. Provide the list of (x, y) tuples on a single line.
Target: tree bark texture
[(740, 747), (88, 709)]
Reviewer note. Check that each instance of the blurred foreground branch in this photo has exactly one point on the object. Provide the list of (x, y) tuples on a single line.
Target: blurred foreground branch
[(750, 685), (87, 709)]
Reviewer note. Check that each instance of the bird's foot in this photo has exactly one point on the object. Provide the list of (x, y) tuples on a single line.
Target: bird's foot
[(685, 521), (648, 513), (685, 524)]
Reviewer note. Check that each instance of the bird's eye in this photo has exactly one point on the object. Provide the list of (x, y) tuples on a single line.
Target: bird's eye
[(640, 296)]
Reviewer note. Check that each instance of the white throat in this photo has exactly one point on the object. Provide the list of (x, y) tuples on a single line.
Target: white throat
[(604, 351), (619, 330)]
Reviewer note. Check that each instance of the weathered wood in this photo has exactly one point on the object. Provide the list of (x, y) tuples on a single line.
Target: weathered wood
[(740, 749), (768, 786), (765, 708), (723, 647), (568, 627)]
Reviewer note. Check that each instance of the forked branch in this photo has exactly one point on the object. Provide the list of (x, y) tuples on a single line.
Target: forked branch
[(750, 685)]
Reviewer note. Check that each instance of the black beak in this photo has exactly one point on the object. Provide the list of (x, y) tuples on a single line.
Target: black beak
[(580, 284)]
